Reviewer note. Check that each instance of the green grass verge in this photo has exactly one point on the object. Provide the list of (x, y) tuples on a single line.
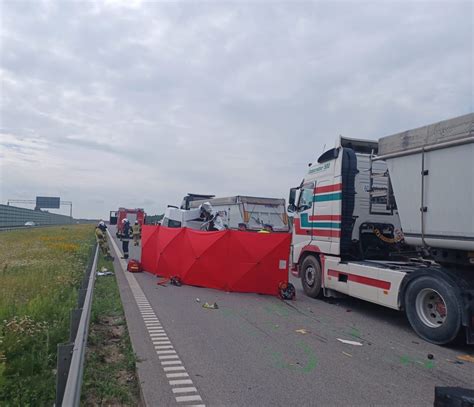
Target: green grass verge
[(110, 375), (40, 272)]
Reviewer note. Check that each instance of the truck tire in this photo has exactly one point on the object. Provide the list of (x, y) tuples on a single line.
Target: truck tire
[(311, 276), (433, 309)]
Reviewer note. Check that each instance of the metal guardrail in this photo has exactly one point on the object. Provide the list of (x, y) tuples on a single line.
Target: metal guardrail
[(7, 228), (70, 361)]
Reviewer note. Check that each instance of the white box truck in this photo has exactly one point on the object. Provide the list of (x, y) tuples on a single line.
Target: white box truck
[(392, 222)]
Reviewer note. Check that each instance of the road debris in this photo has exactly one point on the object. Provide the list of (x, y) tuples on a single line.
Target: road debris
[(286, 291), (104, 273), (210, 306), (430, 356), (466, 358), (302, 331), (347, 354), (198, 300), (349, 342)]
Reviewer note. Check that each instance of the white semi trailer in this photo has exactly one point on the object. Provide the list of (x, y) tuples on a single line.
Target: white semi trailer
[(392, 222)]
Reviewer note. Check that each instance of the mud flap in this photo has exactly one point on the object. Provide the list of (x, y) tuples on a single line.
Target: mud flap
[(468, 316)]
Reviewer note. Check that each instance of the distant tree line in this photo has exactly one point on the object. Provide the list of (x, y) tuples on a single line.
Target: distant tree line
[(152, 219)]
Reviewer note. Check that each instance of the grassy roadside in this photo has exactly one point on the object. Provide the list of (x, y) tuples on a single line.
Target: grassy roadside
[(40, 271), (109, 374)]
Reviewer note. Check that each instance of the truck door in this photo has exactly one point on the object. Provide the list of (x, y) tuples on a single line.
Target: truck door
[(303, 227), (113, 217)]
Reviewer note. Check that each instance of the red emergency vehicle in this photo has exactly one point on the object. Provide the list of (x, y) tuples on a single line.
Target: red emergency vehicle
[(132, 215)]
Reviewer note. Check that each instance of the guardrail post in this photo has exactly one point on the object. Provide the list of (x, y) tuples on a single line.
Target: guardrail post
[(62, 369)]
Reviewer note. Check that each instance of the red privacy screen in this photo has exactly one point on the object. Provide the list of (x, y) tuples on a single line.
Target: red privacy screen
[(228, 260)]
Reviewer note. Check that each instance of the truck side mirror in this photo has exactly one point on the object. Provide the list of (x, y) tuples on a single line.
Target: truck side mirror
[(292, 200)]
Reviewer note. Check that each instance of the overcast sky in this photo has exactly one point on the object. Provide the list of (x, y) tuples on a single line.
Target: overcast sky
[(134, 104)]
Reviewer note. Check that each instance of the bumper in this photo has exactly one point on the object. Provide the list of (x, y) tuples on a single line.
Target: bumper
[(294, 270)]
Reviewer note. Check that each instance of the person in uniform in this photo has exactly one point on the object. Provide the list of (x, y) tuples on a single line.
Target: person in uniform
[(101, 237), (136, 233), (125, 237), (212, 220)]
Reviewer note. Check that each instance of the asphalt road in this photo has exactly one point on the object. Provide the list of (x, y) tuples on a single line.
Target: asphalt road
[(249, 351)]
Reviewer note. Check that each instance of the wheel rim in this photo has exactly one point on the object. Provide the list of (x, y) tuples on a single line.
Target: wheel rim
[(310, 275), (431, 308)]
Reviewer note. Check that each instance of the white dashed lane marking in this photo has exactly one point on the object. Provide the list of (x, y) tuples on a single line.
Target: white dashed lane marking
[(173, 368)]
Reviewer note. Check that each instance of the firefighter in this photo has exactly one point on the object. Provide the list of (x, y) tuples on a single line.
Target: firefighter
[(125, 237), (136, 233), (101, 237), (212, 220), (103, 226)]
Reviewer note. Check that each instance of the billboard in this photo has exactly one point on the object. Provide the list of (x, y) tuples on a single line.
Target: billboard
[(47, 202)]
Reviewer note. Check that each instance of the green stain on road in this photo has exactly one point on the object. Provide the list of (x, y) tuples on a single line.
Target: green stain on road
[(407, 360), (278, 309), (354, 333), (227, 312), (309, 365)]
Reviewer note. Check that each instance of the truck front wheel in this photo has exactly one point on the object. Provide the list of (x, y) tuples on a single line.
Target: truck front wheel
[(433, 310), (311, 276)]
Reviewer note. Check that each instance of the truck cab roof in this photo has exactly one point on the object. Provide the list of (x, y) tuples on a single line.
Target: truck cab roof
[(359, 145)]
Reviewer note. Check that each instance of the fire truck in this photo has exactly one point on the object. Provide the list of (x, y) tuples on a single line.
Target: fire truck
[(132, 215), (391, 222)]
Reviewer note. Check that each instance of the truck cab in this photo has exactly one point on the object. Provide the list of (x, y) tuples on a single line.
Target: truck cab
[(344, 205)]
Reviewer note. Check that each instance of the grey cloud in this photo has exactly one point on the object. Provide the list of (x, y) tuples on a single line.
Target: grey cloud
[(226, 98)]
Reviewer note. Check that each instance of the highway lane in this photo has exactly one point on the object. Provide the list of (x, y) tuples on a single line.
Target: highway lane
[(257, 350)]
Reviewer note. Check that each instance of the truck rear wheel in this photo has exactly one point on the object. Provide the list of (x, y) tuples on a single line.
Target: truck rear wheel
[(433, 310), (311, 276)]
